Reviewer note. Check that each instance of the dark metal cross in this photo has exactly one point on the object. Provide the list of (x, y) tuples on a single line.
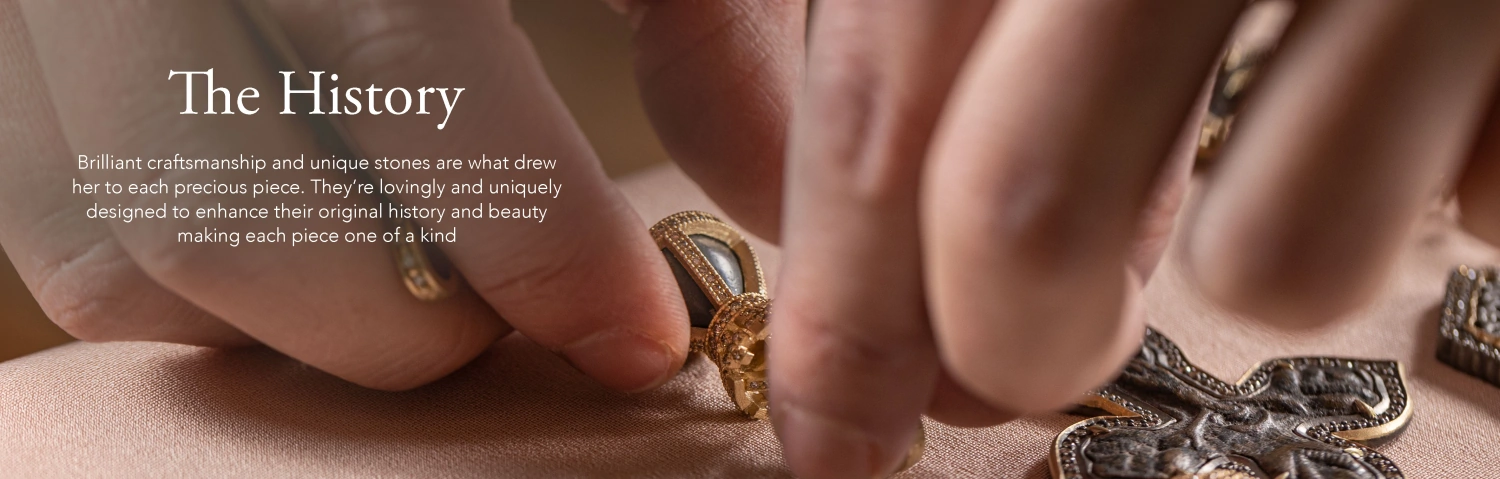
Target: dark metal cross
[(1291, 418)]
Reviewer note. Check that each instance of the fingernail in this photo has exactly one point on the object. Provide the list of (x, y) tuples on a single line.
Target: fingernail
[(818, 446), (622, 359)]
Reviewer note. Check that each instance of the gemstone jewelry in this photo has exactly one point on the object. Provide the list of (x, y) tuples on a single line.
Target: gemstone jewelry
[(1288, 418), (1236, 75), (1469, 333), (725, 292)]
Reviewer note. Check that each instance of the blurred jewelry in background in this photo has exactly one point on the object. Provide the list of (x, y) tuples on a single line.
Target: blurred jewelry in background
[(1236, 75), (1469, 333), (725, 292), (1254, 43)]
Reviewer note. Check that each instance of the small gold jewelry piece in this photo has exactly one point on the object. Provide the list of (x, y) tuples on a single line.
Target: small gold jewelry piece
[(1236, 75), (424, 269), (1469, 334), (914, 453), (1287, 418), (725, 292)]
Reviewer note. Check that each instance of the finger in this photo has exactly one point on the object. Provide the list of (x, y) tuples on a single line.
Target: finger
[(1479, 187), (1036, 184), (1258, 29), (632, 332), (1158, 218), (74, 266), (338, 307), (1354, 125), (854, 365), (718, 79), (954, 405)]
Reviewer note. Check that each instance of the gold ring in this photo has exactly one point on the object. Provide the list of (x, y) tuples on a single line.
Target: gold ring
[(725, 292), (425, 270), (721, 281), (1234, 79)]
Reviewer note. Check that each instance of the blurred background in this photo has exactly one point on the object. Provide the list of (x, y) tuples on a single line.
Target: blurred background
[(586, 50)]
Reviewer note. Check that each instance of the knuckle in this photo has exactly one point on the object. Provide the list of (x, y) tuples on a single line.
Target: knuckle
[(873, 128), (838, 343), (391, 41), (372, 47), (852, 348), (91, 315), (172, 263), (530, 277), (84, 318)]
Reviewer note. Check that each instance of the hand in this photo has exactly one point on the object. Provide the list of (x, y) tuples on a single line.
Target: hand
[(588, 282), (977, 190)]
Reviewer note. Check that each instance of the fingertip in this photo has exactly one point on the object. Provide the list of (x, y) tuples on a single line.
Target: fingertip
[(625, 360), (1479, 190), (817, 445), (955, 406), (1285, 293), (1064, 358)]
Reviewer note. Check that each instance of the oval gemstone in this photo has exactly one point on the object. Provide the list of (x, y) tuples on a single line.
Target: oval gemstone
[(724, 260), (700, 308)]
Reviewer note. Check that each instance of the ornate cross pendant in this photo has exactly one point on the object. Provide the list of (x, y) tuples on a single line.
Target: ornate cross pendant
[(1286, 419)]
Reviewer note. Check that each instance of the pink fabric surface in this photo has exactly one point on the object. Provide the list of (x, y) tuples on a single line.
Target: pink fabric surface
[(152, 410)]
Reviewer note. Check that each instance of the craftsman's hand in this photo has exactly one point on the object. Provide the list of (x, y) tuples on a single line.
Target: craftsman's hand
[(587, 282), (977, 190)]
